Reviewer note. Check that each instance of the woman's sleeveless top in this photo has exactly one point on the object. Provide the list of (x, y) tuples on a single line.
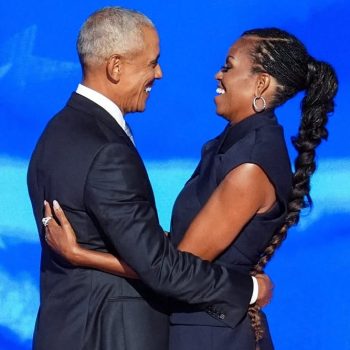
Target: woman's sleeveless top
[(258, 139)]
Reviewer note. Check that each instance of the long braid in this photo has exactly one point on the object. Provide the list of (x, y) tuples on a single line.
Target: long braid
[(285, 58)]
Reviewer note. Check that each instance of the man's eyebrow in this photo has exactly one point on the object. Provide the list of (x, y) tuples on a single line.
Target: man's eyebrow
[(156, 59)]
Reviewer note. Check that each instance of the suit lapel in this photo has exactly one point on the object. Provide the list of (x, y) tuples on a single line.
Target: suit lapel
[(92, 109), (115, 131)]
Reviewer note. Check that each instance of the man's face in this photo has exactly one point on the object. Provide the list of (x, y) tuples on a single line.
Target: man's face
[(138, 73)]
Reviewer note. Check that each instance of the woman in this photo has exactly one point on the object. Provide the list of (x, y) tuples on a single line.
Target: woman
[(240, 202)]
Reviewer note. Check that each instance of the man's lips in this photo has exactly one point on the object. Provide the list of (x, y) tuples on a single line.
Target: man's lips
[(149, 86)]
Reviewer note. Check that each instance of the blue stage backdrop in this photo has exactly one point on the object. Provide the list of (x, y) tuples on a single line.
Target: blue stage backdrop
[(38, 71)]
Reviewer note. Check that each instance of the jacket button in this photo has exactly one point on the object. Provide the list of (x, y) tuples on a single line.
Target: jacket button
[(222, 316)]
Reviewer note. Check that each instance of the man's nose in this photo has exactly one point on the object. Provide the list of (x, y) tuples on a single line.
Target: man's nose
[(158, 72)]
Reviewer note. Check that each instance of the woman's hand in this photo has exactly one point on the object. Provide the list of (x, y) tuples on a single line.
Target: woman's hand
[(62, 239), (60, 236)]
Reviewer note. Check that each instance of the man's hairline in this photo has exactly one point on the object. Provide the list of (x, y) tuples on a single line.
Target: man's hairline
[(131, 52)]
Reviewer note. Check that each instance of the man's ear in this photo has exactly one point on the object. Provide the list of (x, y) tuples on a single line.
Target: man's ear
[(262, 84), (113, 68)]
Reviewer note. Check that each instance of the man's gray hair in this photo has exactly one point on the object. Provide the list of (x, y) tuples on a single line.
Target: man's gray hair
[(111, 30)]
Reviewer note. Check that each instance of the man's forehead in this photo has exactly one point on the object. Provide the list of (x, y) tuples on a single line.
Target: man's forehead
[(150, 33)]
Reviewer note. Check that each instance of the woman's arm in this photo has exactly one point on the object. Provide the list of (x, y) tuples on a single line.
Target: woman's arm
[(244, 192), (62, 239)]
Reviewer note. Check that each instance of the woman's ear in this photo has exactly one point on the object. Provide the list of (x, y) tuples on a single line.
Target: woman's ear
[(262, 84), (113, 68)]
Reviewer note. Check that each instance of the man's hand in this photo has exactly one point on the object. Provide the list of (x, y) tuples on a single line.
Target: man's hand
[(265, 289)]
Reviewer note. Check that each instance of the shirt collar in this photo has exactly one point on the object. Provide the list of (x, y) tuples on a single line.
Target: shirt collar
[(103, 102)]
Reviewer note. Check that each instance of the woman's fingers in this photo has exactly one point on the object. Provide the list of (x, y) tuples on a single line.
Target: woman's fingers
[(48, 211), (48, 236), (59, 214), (67, 236), (61, 217), (50, 220), (59, 234)]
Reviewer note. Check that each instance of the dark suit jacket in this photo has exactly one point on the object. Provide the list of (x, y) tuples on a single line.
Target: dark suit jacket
[(86, 161)]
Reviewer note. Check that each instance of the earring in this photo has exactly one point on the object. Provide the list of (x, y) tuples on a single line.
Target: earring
[(256, 108)]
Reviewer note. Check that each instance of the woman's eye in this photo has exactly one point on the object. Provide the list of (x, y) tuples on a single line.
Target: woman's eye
[(225, 68)]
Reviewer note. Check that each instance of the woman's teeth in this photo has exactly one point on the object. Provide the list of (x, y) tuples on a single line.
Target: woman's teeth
[(220, 91), (148, 89)]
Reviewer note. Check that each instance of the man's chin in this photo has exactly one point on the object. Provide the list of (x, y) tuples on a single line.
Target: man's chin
[(141, 109), (142, 106), (138, 109)]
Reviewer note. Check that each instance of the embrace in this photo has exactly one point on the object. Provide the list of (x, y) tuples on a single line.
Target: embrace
[(111, 278)]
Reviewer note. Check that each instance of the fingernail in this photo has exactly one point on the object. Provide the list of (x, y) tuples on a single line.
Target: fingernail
[(56, 205), (45, 202)]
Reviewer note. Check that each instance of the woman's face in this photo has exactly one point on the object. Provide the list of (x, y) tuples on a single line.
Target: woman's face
[(236, 84)]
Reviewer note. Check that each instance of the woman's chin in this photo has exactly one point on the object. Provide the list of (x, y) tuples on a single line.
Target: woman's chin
[(220, 105), (219, 111)]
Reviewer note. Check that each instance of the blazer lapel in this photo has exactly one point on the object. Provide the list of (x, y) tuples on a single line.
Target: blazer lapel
[(89, 107)]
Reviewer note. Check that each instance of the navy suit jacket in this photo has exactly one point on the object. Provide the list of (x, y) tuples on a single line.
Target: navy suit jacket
[(86, 161)]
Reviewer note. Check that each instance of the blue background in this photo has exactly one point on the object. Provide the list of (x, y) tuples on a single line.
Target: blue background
[(39, 69)]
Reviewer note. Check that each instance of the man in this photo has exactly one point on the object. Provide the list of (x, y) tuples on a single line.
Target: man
[(86, 159)]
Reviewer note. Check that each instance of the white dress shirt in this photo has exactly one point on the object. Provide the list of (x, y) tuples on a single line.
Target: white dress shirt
[(108, 105), (117, 114)]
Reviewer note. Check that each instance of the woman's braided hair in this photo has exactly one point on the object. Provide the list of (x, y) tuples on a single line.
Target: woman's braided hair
[(285, 58)]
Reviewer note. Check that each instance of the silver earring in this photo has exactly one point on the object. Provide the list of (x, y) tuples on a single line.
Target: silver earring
[(256, 108)]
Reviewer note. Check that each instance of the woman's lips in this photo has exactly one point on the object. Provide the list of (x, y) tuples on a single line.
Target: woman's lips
[(220, 90)]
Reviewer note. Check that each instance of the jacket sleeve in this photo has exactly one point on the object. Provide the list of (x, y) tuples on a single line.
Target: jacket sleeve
[(117, 197)]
